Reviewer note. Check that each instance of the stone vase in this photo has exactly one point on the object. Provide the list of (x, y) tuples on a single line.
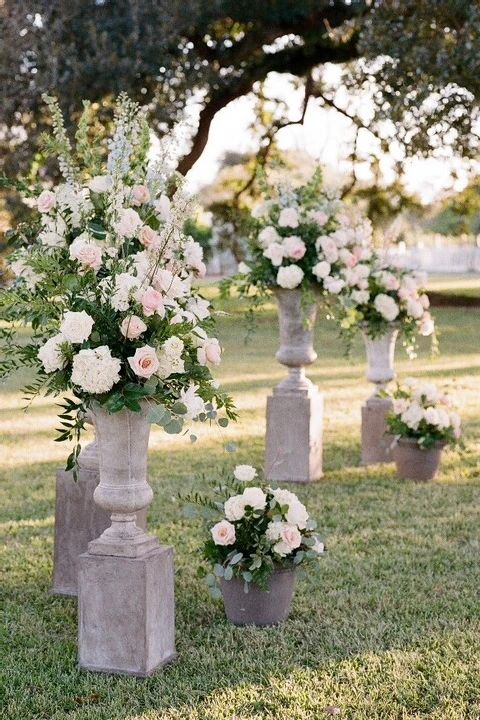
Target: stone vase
[(295, 410), (413, 463), (259, 607), (125, 580), (380, 371)]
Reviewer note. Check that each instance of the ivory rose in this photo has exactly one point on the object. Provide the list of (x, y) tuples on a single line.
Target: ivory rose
[(46, 201), (86, 252), (192, 401), (255, 498), (50, 354), (234, 508), (290, 539), (76, 326), (145, 362), (244, 473), (290, 277), (132, 327), (223, 533)]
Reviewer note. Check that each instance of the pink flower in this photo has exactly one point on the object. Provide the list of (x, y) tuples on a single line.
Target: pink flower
[(132, 327), (140, 195), (210, 351), (87, 253), (46, 201), (319, 217), (294, 247), (145, 361), (290, 535), (152, 302), (223, 533), (147, 236)]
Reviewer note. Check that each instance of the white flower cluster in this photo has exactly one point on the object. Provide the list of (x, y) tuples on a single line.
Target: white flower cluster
[(421, 407), (284, 536)]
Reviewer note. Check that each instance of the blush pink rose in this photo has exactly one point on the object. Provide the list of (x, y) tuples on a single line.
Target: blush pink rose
[(46, 201), (148, 237), (291, 536), (223, 533), (320, 217), (152, 302), (87, 253), (140, 194), (145, 361), (132, 327), (294, 247), (210, 351)]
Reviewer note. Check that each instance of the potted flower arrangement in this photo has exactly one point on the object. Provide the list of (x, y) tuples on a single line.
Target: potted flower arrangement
[(258, 535), (104, 279), (422, 421)]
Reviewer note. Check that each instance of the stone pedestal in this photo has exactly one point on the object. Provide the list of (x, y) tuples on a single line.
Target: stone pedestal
[(126, 612), (374, 441), (293, 444), (78, 520)]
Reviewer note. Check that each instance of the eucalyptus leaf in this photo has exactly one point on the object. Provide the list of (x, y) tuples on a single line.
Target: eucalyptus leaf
[(223, 422), (219, 570), (210, 579), (173, 427), (215, 592), (230, 447), (228, 574)]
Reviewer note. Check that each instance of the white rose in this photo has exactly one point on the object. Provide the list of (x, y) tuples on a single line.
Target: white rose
[(288, 218), (268, 236), (46, 201), (244, 473), (386, 306), (443, 419), (454, 419), (100, 183), (321, 269), (192, 401), (234, 508), (431, 415), (328, 247), (199, 307), (223, 533), (86, 252), (290, 277), (414, 308), (140, 195), (427, 326), (275, 253), (76, 326), (95, 371), (284, 497), (297, 515), (50, 354), (427, 391), (129, 221), (318, 547), (255, 497), (243, 268), (361, 297)]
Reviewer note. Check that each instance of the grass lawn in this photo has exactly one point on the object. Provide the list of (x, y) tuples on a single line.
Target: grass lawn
[(389, 626)]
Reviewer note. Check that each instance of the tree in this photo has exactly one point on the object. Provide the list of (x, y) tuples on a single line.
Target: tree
[(416, 59)]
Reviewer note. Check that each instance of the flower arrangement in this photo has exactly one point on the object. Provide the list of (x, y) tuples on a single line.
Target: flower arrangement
[(302, 237), (104, 278), (253, 529), (422, 412), (376, 294)]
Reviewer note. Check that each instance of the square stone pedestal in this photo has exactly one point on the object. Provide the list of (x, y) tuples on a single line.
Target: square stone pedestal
[(374, 426), (78, 520), (126, 621), (293, 442)]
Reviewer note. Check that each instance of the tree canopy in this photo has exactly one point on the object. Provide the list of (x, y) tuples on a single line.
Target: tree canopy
[(416, 60)]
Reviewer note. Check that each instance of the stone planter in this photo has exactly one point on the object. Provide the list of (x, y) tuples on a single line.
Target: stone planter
[(293, 441), (380, 357), (259, 607), (125, 580), (413, 463)]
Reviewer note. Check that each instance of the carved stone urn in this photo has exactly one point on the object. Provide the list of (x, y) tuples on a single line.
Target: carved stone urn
[(380, 371), (293, 441)]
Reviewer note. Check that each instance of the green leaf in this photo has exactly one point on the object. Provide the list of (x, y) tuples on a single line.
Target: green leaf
[(133, 404), (309, 541), (228, 574), (173, 427), (157, 414), (215, 592), (223, 422), (219, 570), (179, 409), (210, 579), (247, 576), (236, 558), (230, 447), (193, 438), (150, 386)]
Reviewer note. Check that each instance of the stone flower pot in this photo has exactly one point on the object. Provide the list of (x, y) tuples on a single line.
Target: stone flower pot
[(259, 607), (413, 463)]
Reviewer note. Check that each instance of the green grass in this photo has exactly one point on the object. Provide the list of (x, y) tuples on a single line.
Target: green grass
[(387, 629)]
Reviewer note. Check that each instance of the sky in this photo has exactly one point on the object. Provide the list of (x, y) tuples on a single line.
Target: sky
[(322, 136)]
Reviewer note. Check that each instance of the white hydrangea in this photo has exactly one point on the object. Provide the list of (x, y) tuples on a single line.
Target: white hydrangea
[(95, 371), (274, 531), (192, 401), (386, 306), (268, 236), (288, 218), (124, 285), (274, 252), (50, 354), (234, 508), (412, 416), (290, 277), (170, 357), (321, 269)]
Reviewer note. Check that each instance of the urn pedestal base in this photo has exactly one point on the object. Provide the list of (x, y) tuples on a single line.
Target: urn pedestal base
[(374, 426), (78, 521), (126, 612), (293, 442)]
